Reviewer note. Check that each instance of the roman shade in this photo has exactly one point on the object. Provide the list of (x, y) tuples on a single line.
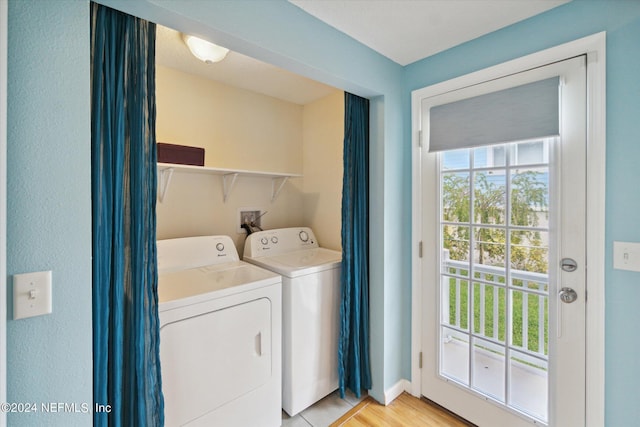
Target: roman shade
[(514, 114)]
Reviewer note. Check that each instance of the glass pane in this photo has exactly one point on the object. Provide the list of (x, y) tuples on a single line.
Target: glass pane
[(538, 306), (530, 153), (454, 302), (490, 250), (489, 198), (456, 244), (456, 200), (516, 319), (489, 311), (488, 369), (530, 197), (454, 355), (529, 385), (529, 321), (453, 267), (488, 157), (529, 253), (494, 275), (447, 292), (455, 159)]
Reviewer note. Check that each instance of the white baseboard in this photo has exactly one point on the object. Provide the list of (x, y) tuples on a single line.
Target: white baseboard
[(396, 390)]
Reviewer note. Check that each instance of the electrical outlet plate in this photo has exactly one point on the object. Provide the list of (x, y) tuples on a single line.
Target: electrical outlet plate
[(250, 214), (626, 256), (31, 294)]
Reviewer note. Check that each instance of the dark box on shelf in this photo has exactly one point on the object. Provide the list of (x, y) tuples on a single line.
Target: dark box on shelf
[(180, 154)]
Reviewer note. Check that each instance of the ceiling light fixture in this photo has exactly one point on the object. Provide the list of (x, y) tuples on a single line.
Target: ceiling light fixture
[(203, 50)]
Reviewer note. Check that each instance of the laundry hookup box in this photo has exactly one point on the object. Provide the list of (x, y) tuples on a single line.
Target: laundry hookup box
[(180, 154)]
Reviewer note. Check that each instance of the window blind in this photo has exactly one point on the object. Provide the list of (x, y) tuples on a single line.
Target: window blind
[(518, 113)]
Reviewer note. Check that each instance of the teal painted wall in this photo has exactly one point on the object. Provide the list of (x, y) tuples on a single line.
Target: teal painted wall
[(621, 20), (49, 175), (49, 205)]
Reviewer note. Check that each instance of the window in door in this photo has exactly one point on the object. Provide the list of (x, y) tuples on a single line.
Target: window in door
[(494, 272)]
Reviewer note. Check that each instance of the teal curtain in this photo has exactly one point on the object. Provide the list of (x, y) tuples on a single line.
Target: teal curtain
[(126, 352), (354, 367)]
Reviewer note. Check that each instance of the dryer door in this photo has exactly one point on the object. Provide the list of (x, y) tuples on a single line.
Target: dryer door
[(213, 358)]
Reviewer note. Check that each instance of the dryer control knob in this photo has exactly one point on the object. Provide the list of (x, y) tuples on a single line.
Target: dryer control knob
[(220, 247), (304, 236), (264, 240), (274, 240)]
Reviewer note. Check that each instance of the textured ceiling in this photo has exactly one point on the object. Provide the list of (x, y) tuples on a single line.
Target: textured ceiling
[(403, 30), (406, 31)]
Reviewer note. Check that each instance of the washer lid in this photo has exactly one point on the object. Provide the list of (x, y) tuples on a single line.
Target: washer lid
[(194, 285), (300, 263)]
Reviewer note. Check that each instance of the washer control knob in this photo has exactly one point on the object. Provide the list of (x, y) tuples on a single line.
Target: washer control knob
[(274, 240), (220, 247), (264, 240), (304, 236)]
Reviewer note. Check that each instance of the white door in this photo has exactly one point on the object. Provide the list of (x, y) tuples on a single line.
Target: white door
[(499, 345)]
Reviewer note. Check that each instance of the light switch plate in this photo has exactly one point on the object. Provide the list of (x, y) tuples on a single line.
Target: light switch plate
[(31, 294), (626, 256)]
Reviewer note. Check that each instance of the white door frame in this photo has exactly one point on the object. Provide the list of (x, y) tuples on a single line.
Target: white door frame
[(594, 47), (3, 206)]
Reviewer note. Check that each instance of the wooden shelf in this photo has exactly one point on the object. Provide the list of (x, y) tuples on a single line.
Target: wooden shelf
[(229, 177)]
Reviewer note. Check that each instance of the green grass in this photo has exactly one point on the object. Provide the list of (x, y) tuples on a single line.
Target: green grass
[(519, 297)]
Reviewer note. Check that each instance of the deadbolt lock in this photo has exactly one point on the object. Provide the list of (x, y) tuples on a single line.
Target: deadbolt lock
[(568, 264)]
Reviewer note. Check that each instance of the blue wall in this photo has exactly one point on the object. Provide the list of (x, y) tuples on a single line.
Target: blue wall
[(49, 204), (621, 20), (49, 175)]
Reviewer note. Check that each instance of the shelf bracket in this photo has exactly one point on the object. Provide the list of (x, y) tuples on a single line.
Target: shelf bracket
[(165, 180), (228, 181), (276, 191)]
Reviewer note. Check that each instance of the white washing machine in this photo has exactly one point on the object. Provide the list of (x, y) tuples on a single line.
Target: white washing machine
[(310, 311), (220, 335)]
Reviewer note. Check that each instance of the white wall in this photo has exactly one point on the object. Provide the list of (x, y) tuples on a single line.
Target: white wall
[(323, 132), (240, 129), (194, 206)]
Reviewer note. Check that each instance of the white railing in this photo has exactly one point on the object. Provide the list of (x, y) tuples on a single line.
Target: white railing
[(491, 282)]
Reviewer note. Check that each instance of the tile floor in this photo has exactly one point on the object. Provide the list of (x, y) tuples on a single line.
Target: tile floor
[(323, 412)]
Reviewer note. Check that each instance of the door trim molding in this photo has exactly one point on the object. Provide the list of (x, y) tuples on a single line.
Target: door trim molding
[(594, 47)]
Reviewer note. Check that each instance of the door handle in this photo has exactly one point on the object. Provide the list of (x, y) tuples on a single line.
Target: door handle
[(258, 344), (567, 295)]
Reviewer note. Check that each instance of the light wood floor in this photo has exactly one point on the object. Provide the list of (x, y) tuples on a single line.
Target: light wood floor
[(405, 411)]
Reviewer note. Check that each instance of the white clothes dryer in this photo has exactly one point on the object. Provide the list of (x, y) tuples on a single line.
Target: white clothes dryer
[(310, 311), (220, 335)]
